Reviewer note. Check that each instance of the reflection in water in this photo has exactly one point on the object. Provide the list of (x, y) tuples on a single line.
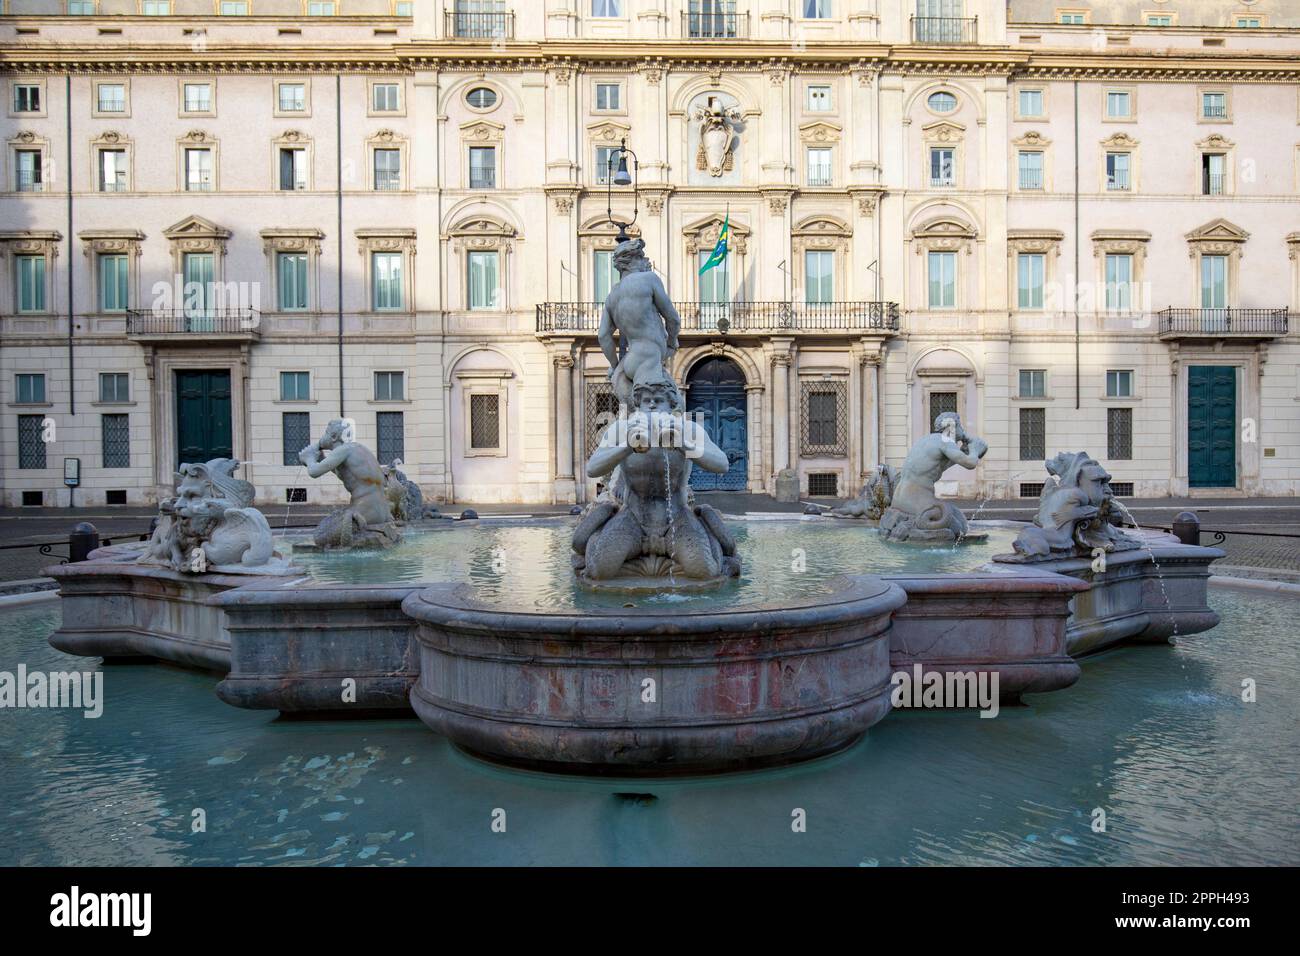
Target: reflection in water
[(528, 564), (1156, 736)]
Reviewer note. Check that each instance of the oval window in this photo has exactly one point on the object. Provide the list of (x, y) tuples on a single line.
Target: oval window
[(481, 98), (942, 102)]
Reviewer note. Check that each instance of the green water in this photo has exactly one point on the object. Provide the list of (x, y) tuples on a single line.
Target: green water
[(528, 563), (1156, 736)]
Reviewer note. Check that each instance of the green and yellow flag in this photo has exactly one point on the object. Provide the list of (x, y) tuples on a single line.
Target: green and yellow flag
[(719, 254)]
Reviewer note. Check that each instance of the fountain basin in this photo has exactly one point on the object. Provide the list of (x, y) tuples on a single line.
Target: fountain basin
[(655, 690)]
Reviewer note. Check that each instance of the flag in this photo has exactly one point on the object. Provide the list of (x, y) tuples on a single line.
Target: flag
[(719, 254)]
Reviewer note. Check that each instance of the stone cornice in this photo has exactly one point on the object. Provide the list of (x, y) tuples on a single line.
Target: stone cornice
[(410, 56)]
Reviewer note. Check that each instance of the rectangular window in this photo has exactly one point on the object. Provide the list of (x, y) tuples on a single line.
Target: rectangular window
[(816, 9), (115, 439), (604, 275), (823, 423), (1119, 282), (1117, 170), (292, 97), (1119, 383), (234, 8), (1119, 104), (385, 98), (819, 167), (606, 8), (386, 271), (198, 269), (293, 169), (1214, 105), (819, 276), (1213, 178), (31, 444), (390, 386), (1214, 282), (1247, 23), (942, 273), (942, 166), (114, 386), (1031, 169), (30, 389), (156, 8), (1033, 434), (609, 97), (198, 170), (28, 171), (295, 387), (713, 286), (483, 167), (1031, 102), (388, 170), (940, 403), (484, 292), (390, 439), (1119, 434), (111, 98), (198, 98), (320, 8), (291, 279), (819, 99), (1075, 19), (112, 170), (824, 413), (1030, 279), (1033, 383), (1160, 20), (30, 283), (606, 163), (81, 8), (295, 436), (113, 282), (485, 421), (403, 8), (27, 98)]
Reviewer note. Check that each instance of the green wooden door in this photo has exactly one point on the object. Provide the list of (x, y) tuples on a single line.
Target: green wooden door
[(1212, 426), (203, 429)]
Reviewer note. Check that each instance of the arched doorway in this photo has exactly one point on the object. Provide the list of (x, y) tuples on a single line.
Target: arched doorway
[(715, 397)]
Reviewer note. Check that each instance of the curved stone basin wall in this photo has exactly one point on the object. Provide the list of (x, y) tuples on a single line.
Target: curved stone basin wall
[(655, 691)]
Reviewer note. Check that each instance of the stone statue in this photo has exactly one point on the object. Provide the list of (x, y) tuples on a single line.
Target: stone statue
[(368, 521), (645, 525), (874, 498), (404, 496), (208, 525), (1077, 513), (716, 151), (915, 514), (639, 309)]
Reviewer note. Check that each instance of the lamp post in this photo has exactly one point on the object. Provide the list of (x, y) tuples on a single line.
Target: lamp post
[(621, 177)]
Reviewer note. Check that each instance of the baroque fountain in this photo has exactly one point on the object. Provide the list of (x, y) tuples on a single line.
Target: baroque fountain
[(662, 639)]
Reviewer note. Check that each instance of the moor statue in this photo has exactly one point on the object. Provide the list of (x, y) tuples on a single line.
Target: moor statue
[(368, 521), (638, 308)]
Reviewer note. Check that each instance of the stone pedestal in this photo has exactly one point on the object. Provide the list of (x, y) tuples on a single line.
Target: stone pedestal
[(787, 486)]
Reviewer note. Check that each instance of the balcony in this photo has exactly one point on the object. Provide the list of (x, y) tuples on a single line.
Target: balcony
[(710, 25), (736, 318), (1223, 323), (194, 326), (945, 30), (481, 26)]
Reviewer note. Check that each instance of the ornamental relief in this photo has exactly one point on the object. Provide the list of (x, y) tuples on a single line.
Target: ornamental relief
[(482, 131), (1134, 244), (943, 131), (1120, 140), (818, 133), (1215, 141), (1033, 139)]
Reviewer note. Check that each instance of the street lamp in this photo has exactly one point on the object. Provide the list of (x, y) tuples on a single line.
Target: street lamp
[(621, 177)]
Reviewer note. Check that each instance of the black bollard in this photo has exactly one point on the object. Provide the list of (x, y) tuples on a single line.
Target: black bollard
[(1187, 528), (83, 540), (469, 514), (575, 510)]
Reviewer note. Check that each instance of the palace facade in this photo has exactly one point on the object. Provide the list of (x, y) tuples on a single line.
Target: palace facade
[(224, 223)]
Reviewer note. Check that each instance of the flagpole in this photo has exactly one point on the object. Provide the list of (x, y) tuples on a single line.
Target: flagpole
[(726, 278)]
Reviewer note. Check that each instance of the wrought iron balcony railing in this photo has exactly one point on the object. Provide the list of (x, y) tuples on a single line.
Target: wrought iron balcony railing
[(945, 29), (1213, 323), (738, 317), (239, 320), (481, 26), (711, 25)]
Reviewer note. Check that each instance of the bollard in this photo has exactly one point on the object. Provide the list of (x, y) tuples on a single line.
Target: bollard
[(1187, 528), (469, 514), (575, 510), (83, 540)]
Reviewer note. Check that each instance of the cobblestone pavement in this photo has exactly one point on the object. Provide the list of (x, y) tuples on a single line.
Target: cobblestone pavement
[(1238, 517)]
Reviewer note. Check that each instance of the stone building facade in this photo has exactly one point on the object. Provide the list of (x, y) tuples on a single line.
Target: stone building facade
[(224, 223)]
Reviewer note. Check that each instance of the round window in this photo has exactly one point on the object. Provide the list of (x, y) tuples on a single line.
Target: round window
[(481, 98), (942, 102)]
